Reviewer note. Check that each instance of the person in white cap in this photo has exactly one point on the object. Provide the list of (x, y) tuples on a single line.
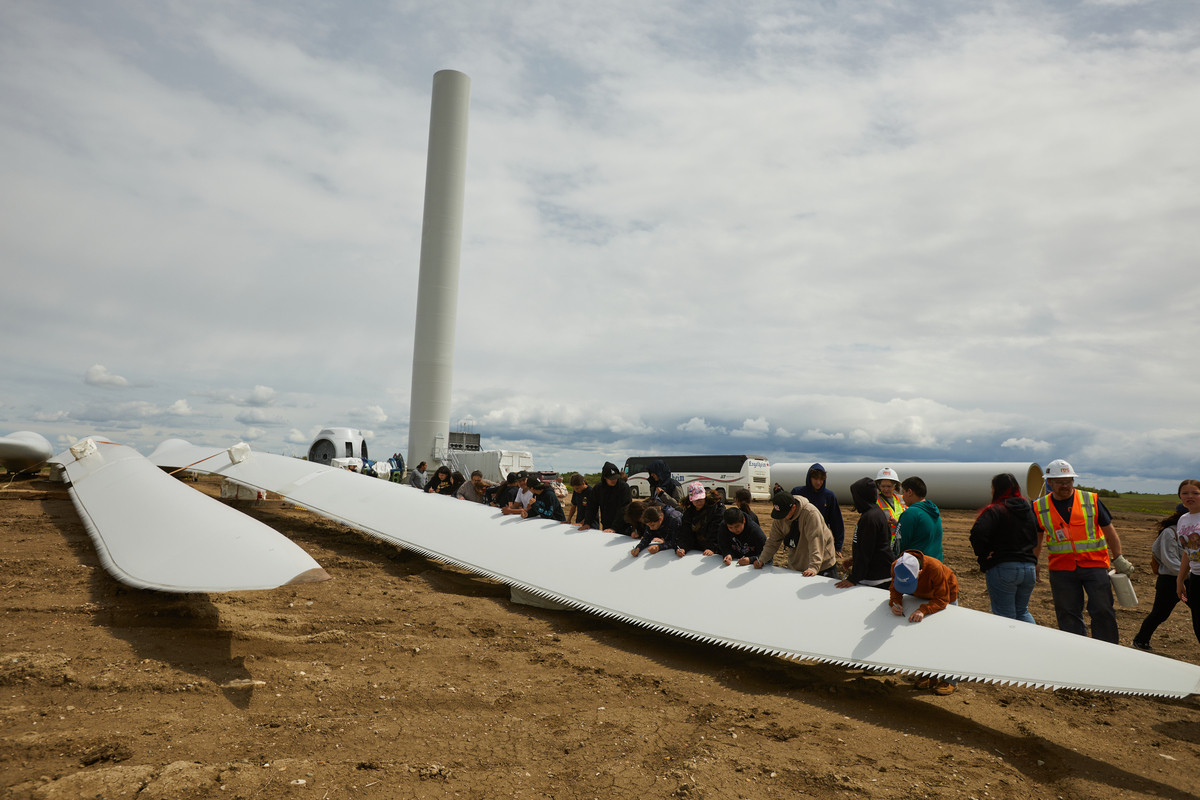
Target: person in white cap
[(928, 579), (888, 482), (1079, 534)]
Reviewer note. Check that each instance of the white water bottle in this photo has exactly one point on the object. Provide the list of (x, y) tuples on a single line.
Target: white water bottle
[(1123, 589)]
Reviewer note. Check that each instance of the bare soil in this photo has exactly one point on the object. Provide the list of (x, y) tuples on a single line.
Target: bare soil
[(402, 677)]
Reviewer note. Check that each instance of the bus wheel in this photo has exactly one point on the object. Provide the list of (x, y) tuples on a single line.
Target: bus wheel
[(721, 494), (633, 490)]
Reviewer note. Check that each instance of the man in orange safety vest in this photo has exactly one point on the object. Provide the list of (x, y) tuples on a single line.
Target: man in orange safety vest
[(1079, 534)]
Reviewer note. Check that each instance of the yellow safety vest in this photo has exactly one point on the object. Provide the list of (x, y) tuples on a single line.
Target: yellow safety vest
[(1078, 543), (893, 510)]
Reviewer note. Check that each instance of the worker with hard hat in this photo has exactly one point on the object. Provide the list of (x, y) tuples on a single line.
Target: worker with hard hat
[(888, 482), (1079, 534)]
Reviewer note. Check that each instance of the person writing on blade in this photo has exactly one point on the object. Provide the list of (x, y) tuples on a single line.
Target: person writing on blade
[(740, 538)]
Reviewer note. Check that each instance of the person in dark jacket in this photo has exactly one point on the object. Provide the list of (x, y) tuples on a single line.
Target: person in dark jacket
[(545, 502), (633, 515), (663, 487), (441, 482), (608, 501), (870, 562), (703, 516), (660, 530), (814, 491), (740, 538), (507, 494), (580, 495), (1004, 537)]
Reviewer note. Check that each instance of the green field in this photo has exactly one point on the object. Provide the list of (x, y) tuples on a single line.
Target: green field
[(1161, 504)]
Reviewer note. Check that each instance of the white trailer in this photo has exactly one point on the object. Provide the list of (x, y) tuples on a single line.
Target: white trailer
[(494, 464)]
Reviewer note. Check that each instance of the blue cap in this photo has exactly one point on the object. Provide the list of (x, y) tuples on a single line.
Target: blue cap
[(905, 577)]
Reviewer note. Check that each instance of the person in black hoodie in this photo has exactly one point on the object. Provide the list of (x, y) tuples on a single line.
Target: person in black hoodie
[(507, 493), (660, 523), (606, 510), (815, 492), (580, 495), (441, 482), (663, 487), (870, 562), (1003, 537), (545, 502), (741, 539), (703, 517)]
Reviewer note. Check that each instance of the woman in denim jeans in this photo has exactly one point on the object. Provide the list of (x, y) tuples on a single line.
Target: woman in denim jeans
[(1003, 537)]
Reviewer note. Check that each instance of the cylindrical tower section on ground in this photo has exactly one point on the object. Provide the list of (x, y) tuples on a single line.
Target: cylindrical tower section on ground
[(964, 484), (437, 288)]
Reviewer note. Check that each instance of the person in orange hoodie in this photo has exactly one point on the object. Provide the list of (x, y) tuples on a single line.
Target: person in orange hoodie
[(932, 581)]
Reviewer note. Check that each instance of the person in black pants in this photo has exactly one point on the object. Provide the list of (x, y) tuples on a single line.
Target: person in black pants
[(1164, 560)]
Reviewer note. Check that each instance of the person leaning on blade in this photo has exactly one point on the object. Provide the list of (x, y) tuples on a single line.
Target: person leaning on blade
[(870, 562), (608, 500), (1079, 534), (799, 526), (475, 489), (928, 579)]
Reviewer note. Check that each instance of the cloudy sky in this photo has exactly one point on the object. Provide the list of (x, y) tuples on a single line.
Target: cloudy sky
[(808, 230)]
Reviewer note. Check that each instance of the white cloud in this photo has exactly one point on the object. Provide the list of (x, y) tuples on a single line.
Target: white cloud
[(783, 433), (180, 408), (752, 429), (1025, 443), (698, 425), (98, 375), (818, 435), (295, 436), (261, 396), (66, 440), (253, 434), (50, 416), (372, 414)]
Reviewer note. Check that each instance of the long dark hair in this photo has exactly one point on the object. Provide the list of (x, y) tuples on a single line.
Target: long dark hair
[(1004, 486), (742, 498), (1167, 522)]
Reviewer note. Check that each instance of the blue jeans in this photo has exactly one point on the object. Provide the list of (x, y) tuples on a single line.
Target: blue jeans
[(1010, 585), (1068, 588)]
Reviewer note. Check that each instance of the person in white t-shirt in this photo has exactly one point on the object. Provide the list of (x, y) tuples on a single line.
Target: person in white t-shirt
[(1187, 531)]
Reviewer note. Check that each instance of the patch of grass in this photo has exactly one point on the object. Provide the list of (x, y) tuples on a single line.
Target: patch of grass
[(1160, 504)]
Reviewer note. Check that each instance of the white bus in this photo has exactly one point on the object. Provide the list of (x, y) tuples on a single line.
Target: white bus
[(724, 474)]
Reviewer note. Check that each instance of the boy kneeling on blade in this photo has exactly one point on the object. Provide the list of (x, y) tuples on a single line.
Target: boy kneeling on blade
[(929, 579)]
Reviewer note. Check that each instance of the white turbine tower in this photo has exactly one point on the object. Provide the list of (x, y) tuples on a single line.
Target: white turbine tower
[(437, 288)]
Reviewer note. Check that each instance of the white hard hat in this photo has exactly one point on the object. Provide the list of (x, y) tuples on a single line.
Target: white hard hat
[(887, 474), (1059, 469)]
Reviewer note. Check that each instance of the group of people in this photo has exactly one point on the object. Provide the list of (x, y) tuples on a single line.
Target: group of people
[(896, 542), (522, 493)]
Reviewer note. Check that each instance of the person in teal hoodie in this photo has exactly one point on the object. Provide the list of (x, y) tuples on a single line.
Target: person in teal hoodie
[(920, 526)]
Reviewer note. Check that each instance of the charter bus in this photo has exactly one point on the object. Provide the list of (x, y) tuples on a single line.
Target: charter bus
[(723, 474)]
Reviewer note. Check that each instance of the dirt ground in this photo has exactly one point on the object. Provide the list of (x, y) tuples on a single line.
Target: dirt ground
[(403, 678)]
